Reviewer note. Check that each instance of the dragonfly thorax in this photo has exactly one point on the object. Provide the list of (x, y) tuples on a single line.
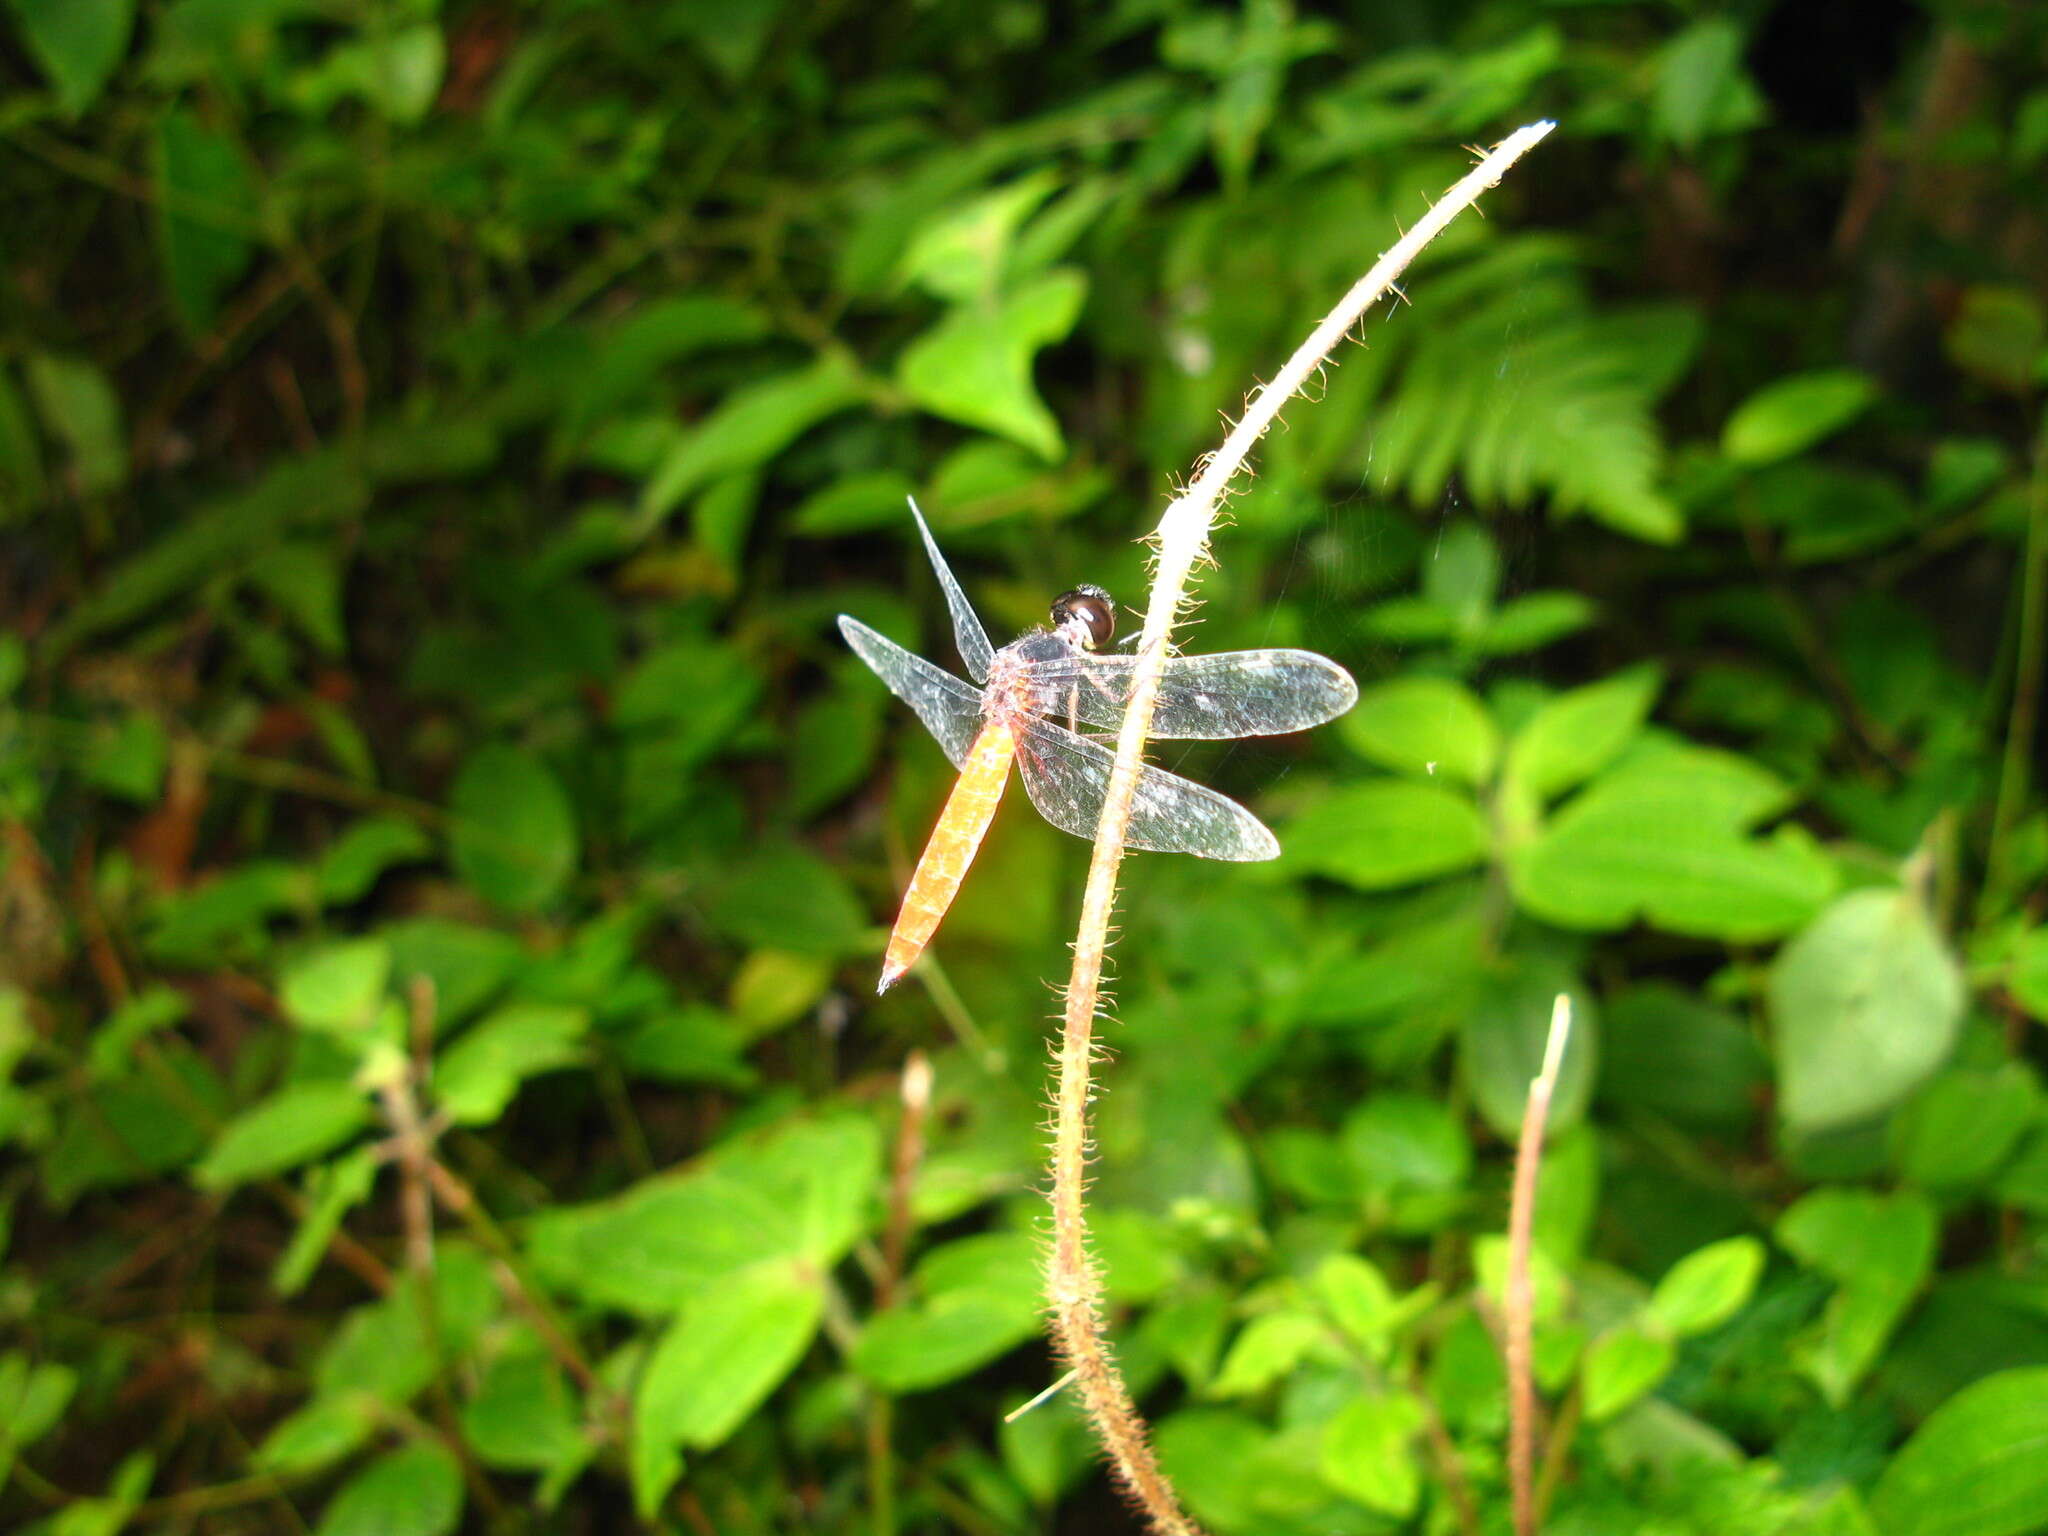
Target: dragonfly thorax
[(1011, 690)]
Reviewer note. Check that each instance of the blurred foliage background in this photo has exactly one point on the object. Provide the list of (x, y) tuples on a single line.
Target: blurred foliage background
[(444, 848)]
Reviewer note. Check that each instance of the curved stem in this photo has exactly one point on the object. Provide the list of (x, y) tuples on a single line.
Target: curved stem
[(1073, 1284)]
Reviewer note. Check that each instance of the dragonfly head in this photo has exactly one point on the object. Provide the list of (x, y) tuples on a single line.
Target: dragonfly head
[(1085, 616)]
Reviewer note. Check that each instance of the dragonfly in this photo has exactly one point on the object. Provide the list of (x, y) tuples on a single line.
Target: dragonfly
[(1034, 697)]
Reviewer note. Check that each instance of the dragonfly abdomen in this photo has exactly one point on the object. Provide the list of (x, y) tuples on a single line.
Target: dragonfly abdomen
[(952, 846)]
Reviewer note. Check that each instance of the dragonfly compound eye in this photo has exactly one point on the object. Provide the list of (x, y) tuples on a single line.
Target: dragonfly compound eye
[(1092, 609)]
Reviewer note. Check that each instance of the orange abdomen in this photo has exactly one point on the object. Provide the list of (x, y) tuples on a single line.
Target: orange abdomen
[(954, 842)]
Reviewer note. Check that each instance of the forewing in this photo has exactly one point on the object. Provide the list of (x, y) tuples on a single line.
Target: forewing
[(1067, 777), (1231, 693), (950, 709), (975, 651)]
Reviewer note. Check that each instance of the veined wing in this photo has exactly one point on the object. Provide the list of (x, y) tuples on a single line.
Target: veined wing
[(975, 651), (1067, 777), (1230, 693), (949, 708)]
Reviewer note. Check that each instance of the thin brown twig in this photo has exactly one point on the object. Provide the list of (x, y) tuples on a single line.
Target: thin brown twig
[(1073, 1284), (1519, 1303)]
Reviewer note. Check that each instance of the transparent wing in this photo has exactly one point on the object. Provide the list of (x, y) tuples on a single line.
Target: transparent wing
[(975, 651), (1232, 693), (949, 708), (1067, 777)]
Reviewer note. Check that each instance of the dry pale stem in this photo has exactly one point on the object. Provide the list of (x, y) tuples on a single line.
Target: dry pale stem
[(1519, 1323), (1073, 1285)]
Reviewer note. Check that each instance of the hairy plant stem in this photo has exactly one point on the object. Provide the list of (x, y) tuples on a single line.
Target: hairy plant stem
[(1073, 1284), (1520, 1309)]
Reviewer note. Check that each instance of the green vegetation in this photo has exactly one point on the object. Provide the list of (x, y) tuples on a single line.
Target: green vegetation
[(445, 848)]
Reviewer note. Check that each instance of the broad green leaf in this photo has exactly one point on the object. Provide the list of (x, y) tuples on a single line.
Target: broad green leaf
[(1997, 336), (1549, 1286), (398, 73), (80, 409), (206, 210), (1865, 1003), (1576, 734), (853, 504), (1386, 833), (1665, 1049), (730, 1348), (1424, 725), (514, 837), (1702, 88), (963, 254), (143, 1015), (32, 1397), (1707, 1287), (351, 864), (1534, 620), (1975, 1467), (303, 577), (1879, 1250), (1792, 414), (1962, 1126), (833, 743), (336, 989), (318, 1435), (685, 1045), (1622, 1365), (465, 965), (129, 758), (292, 1126), (1664, 838), (1358, 1299), (129, 1127), (1268, 1348), (1368, 1452), (2028, 979), (774, 986), (801, 1191), (974, 366), (750, 427), (977, 1298), (1828, 512), (523, 1417), (1410, 1155), (414, 1491), (476, 1077), (21, 467), (786, 897), (78, 44), (1504, 1034), (626, 358)]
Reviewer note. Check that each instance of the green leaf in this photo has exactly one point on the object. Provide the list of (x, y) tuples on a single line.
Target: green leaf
[(1424, 725), (524, 1417), (1702, 88), (336, 989), (725, 1354), (1792, 414), (1503, 1037), (1708, 1286), (466, 965), (78, 406), (801, 1191), (2028, 979), (414, 1491), (750, 427), (1368, 1453), (1664, 837), (1664, 1049), (1865, 1004), (1879, 1250), (397, 72), (786, 897), (1410, 1156), (206, 208), (128, 759), (978, 1298), (1997, 336), (1269, 1347), (318, 1435), (1534, 620), (514, 837), (333, 1190), (974, 366), (476, 1077), (78, 43), (1621, 1366), (292, 1126), (1358, 1299), (1576, 734), (143, 1015), (32, 1398), (303, 577), (1961, 1127), (963, 253), (1975, 1467), (1384, 833), (351, 864), (853, 504)]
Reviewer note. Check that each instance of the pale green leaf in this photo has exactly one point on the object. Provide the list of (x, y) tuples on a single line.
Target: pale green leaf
[(1792, 414), (1424, 725), (1708, 1286), (1975, 1467), (974, 366), (730, 1348), (1383, 833), (292, 1126)]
